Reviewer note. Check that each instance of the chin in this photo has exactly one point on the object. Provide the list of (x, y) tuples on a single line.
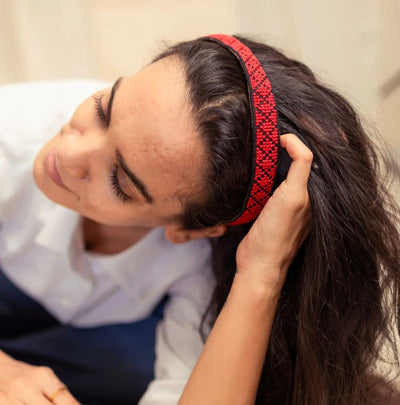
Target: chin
[(39, 173)]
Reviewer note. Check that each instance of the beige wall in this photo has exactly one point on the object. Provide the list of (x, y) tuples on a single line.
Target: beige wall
[(389, 72), (351, 44)]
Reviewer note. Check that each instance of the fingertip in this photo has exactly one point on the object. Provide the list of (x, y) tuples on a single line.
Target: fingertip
[(296, 148), (302, 158), (290, 141), (283, 139)]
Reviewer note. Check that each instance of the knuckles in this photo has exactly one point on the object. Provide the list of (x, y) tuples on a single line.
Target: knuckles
[(30, 377), (27, 379), (45, 372), (307, 155)]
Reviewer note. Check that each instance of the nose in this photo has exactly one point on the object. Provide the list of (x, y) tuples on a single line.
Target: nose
[(77, 153)]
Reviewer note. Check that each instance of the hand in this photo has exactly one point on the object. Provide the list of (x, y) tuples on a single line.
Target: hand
[(276, 236), (22, 383)]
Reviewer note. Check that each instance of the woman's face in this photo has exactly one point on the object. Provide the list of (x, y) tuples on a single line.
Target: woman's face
[(130, 154)]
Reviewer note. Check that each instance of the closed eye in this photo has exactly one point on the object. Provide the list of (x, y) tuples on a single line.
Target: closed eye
[(105, 115), (117, 187), (98, 108)]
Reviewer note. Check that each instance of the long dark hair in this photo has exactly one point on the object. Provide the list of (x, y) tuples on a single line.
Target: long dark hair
[(341, 296)]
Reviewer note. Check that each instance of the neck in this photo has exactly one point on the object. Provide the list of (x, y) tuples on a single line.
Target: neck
[(107, 239)]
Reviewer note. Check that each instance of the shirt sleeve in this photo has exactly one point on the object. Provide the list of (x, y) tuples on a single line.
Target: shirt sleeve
[(179, 339)]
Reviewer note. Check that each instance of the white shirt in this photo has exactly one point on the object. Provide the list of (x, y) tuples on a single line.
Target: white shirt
[(42, 251)]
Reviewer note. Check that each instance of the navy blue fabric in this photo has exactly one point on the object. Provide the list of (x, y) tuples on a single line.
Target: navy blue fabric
[(102, 365)]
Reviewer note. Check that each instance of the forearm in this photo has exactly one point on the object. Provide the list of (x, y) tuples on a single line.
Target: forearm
[(229, 368)]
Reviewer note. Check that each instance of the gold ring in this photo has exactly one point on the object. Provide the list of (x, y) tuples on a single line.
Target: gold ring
[(57, 391)]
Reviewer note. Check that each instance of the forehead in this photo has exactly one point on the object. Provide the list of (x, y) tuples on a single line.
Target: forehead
[(155, 131)]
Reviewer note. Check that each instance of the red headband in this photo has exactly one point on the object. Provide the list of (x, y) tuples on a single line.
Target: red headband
[(264, 129)]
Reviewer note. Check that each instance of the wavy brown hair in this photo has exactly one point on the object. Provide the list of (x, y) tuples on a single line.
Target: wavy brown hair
[(340, 301)]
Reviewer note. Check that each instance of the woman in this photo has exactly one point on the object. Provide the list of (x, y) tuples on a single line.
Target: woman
[(173, 147)]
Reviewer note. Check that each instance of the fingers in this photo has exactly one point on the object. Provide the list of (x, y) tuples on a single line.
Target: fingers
[(6, 400), (53, 389), (61, 396), (302, 157), (32, 396), (22, 383)]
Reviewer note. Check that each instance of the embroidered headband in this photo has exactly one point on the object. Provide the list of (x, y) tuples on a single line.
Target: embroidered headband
[(264, 129)]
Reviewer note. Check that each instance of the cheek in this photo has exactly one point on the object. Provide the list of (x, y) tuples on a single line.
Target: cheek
[(97, 200), (99, 203), (107, 214)]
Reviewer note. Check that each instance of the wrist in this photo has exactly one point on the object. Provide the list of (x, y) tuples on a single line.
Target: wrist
[(265, 279), (255, 290)]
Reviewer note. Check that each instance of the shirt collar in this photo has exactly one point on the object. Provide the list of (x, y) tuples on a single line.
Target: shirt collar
[(59, 223)]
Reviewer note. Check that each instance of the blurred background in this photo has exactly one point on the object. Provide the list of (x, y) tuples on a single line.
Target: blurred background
[(352, 45)]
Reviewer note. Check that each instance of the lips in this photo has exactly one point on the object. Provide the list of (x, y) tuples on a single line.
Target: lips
[(52, 171)]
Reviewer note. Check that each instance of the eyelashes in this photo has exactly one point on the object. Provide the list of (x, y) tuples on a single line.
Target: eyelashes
[(117, 187), (99, 110)]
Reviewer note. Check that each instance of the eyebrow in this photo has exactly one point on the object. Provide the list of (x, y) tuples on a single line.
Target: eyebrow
[(133, 178), (111, 99)]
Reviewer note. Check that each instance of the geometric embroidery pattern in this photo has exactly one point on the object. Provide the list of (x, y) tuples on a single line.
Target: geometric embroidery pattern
[(264, 129)]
